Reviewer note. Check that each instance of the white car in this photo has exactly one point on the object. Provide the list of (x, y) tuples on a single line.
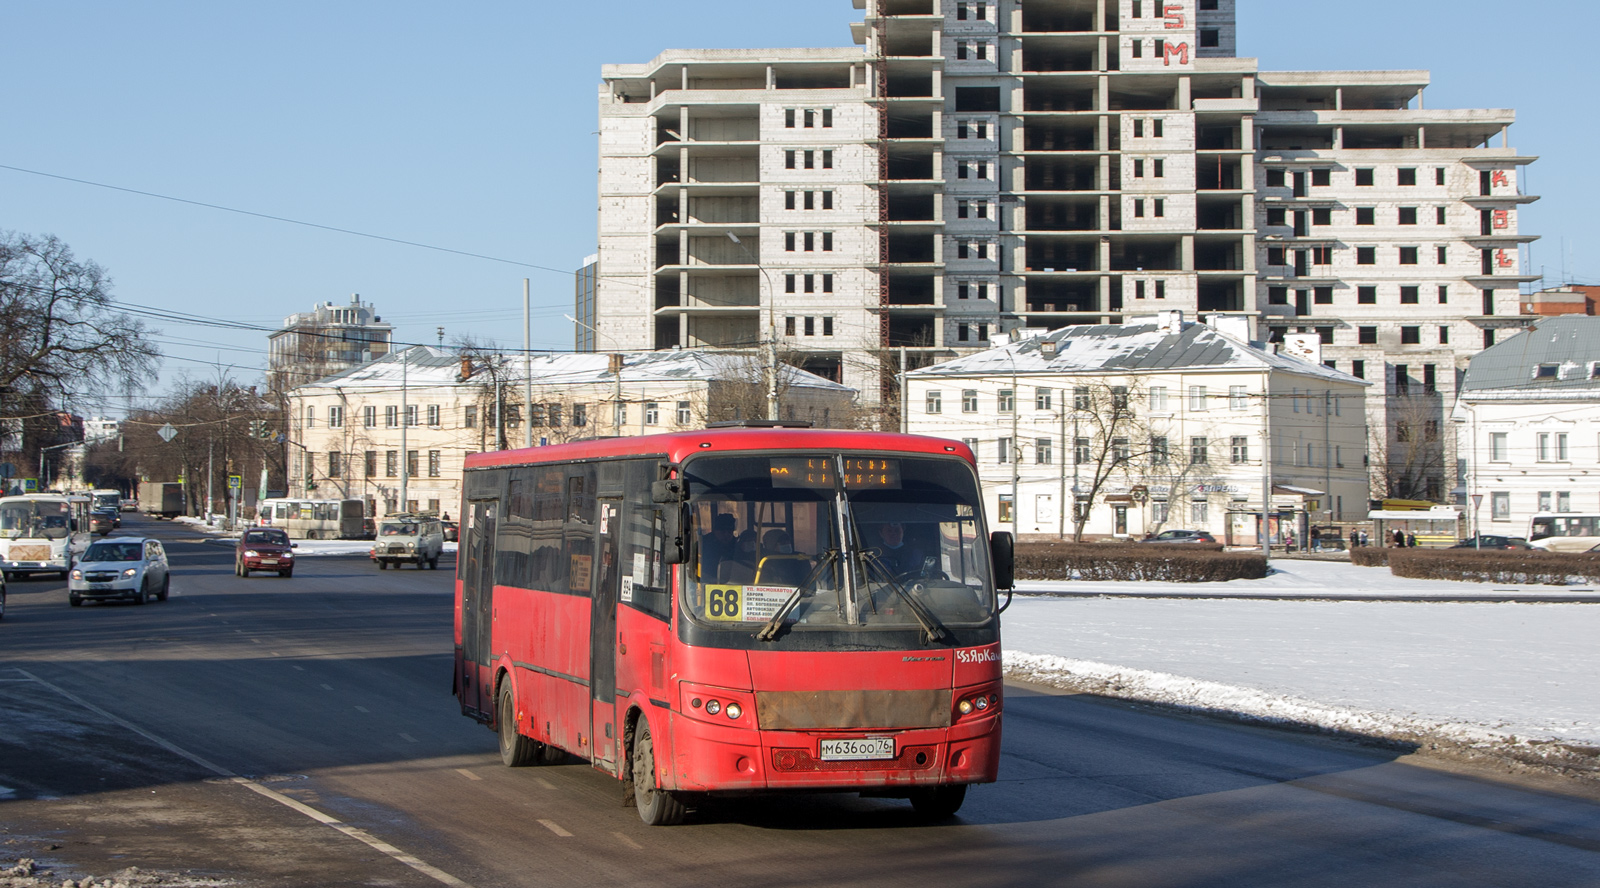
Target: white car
[(132, 568)]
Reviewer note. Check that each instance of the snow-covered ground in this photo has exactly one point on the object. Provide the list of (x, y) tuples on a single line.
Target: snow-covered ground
[(1479, 673)]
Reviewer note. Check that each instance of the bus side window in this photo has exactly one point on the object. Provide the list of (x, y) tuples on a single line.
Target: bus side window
[(641, 544)]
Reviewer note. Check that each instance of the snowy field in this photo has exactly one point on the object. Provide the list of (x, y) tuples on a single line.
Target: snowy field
[(1479, 673), (302, 547)]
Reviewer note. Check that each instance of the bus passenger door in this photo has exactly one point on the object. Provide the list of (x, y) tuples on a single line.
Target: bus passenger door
[(603, 637), (477, 607)]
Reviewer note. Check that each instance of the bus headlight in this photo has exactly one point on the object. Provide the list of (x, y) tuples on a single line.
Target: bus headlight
[(734, 710), (713, 707)]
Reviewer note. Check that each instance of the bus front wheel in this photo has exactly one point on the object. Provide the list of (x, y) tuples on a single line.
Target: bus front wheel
[(515, 749), (939, 803), (657, 806)]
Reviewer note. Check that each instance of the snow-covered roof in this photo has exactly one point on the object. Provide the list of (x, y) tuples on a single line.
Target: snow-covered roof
[(425, 365), (1557, 358), (1137, 346)]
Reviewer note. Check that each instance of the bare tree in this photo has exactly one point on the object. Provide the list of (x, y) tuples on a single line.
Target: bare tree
[(1407, 452), (63, 332)]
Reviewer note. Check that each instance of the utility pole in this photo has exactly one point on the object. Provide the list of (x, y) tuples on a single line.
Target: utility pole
[(211, 447), (527, 364), (1266, 463), (405, 417)]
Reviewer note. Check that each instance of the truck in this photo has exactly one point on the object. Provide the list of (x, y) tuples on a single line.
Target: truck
[(163, 499)]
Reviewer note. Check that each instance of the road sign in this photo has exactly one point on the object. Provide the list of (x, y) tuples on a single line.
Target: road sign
[(235, 483), (1477, 501), (167, 433), (30, 485), (8, 470)]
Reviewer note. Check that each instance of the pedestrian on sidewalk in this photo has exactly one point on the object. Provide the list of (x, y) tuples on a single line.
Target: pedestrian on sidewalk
[(1355, 539), (1316, 539)]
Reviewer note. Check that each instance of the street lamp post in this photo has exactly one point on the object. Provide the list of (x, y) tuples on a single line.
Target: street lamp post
[(616, 408), (772, 330)]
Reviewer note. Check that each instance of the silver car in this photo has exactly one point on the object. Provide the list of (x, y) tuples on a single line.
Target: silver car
[(132, 568)]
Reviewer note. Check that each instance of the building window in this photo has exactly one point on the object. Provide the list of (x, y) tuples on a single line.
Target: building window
[(1199, 511), (1497, 446), (411, 414), (1364, 177), (580, 415), (1041, 451), (1410, 295), (1500, 505), (1080, 398), (1007, 401), (969, 400), (1007, 509), (1003, 454), (1080, 450), (1367, 335), (1544, 501), (1238, 398), (1366, 216), (1410, 335), (391, 417), (1197, 397), (1561, 447), (433, 464), (1408, 215), (1366, 255), (413, 462), (1160, 453), (1408, 255), (469, 416), (391, 463), (684, 416), (335, 417), (1198, 451), (1366, 295), (1406, 175), (371, 463), (1543, 450), (972, 445), (369, 417), (1121, 451), (1563, 501), (1358, 369), (1043, 398), (1158, 399), (934, 402), (1239, 450), (433, 414), (334, 464)]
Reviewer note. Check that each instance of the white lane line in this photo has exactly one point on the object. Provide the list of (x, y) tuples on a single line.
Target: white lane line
[(298, 668), (353, 832), (468, 774), (362, 709), (544, 783), (555, 828), (327, 687), (627, 841), (408, 738)]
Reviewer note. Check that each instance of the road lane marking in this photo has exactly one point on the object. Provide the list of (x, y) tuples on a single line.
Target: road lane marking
[(544, 783), (408, 737), (468, 774), (327, 687), (362, 709), (353, 832), (299, 668), (627, 841), (555, 828)]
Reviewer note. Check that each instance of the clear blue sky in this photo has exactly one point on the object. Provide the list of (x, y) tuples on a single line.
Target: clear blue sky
[(472, 128)]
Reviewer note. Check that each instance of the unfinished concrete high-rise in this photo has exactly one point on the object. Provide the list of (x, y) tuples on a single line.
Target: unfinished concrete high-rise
[(979, 166)]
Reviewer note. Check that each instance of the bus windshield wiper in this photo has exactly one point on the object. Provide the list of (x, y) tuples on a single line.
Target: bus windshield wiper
[(931, 630), (770, 631)]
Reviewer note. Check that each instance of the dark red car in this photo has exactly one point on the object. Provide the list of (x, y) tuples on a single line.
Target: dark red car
[(264, 548)]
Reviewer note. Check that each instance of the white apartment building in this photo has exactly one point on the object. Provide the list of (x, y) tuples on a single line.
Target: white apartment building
[(324, 341), (1194, 408), (1528, 420), (414, 415), (987, 165)]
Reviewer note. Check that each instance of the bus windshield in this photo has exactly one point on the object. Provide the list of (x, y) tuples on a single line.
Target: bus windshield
[(28, 519), (835, 541)]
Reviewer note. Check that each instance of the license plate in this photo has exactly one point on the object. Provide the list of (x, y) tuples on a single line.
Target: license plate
[(269, 561), (857, 749), (98, 586)]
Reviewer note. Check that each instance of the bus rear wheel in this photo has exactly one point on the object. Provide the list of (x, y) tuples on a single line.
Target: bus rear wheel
[(515, 749), (657, 806), (940, 802)]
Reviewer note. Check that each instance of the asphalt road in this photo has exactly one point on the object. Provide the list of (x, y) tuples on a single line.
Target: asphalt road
[(302, 732)]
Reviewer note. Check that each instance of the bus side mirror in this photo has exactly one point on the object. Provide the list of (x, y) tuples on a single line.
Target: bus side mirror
[(673, 550), (666, 492), (1002, 553)]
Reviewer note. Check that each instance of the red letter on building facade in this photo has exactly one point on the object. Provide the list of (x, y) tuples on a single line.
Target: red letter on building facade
[(1174, 17), (1500, 178), (1502, 218), (1181, 50)]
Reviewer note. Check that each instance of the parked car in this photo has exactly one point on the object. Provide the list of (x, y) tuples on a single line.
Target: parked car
[(1492, 541), (403, 538), (102, 522), (134, 568), (264, 548), (1181, 536)]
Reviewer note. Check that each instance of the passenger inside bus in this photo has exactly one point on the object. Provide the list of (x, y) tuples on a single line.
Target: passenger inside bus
[(720, 543), (740, 567)]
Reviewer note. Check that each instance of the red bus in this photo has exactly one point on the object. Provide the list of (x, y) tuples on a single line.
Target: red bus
[(736, 609)]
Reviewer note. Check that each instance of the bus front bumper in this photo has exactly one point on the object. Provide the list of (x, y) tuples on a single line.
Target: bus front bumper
[(712, 757), (27, 567)]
